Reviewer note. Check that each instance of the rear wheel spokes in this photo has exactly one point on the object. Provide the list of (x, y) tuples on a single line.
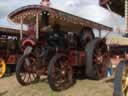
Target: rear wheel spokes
[(100, 58)]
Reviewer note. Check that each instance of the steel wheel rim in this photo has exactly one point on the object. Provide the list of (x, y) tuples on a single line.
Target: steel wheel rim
[(2, 68), (100, 59), (125, 80)]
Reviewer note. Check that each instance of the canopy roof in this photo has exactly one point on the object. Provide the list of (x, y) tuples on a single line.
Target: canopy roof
[(66, 20), (9, 31)]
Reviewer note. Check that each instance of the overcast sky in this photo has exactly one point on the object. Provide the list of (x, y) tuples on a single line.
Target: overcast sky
[(88, 9)]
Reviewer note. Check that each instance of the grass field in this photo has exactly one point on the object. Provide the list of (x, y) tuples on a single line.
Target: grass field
[(10, 87)]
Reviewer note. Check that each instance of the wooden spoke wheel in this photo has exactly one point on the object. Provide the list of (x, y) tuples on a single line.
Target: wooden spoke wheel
[(2, 68), (60, 74), (97, 59), (121, 79), (25, 70)]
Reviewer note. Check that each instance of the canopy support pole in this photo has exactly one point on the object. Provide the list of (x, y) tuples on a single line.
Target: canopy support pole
[(114, 18), (21, 30), (37, 26), (99, 33)]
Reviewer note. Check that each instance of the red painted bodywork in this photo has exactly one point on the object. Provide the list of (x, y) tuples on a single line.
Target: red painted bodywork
[(11, 59), (29, 42), (76, 57)]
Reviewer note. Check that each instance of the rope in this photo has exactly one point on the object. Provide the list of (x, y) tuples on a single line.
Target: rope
[(126, 16), (113, 17)]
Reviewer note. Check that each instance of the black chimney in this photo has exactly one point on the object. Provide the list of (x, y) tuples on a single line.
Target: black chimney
[(45, 18)]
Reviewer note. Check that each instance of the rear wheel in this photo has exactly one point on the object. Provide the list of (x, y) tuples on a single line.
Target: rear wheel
[(97, 59), (25, 70), (60, 73), (121, 79), (2, 68)]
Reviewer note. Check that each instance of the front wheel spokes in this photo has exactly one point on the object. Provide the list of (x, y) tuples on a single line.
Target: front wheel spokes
[(31, 74), (24, 77), (29, 77), (30, 64)]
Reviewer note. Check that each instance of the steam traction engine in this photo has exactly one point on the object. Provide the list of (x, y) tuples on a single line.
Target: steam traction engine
[(61, 45)]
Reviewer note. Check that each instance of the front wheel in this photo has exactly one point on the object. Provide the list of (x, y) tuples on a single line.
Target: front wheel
[(121, 79), (60, 73), (25, 73)]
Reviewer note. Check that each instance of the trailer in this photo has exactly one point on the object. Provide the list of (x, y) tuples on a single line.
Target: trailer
[(9, 50)]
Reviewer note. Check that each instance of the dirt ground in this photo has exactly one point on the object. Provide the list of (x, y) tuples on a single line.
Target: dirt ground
[(10, 87)]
